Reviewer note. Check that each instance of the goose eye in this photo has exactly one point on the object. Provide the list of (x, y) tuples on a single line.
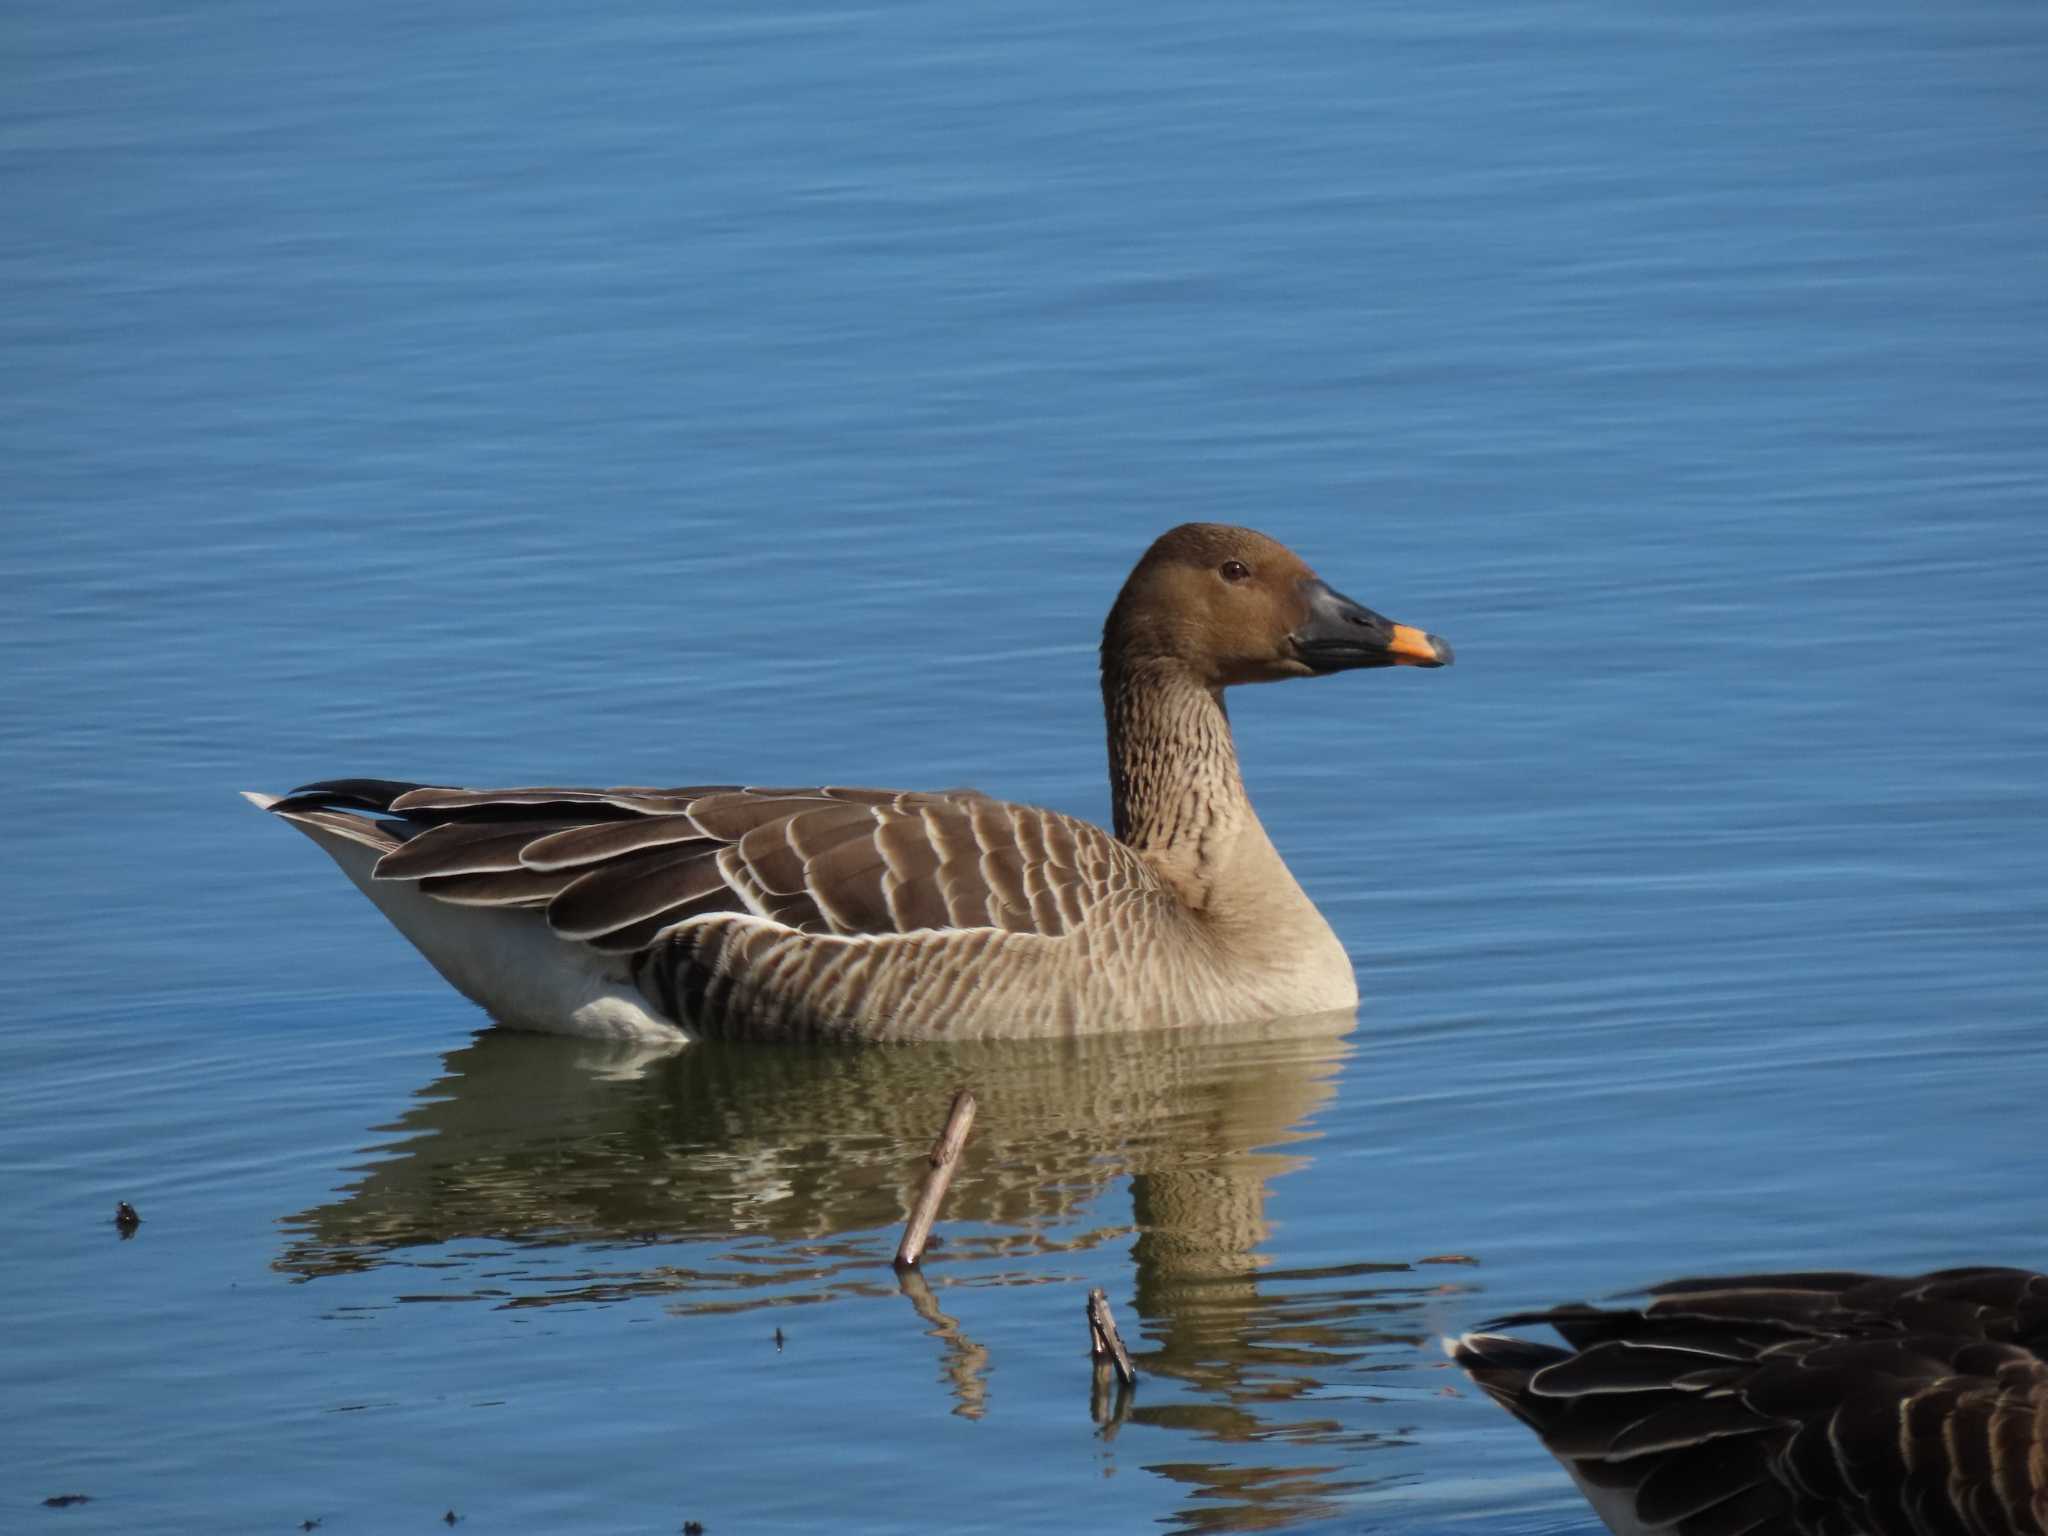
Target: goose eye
[(1235, 570)]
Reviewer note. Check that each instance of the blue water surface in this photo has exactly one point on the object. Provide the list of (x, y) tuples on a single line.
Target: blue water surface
[(644, 394)]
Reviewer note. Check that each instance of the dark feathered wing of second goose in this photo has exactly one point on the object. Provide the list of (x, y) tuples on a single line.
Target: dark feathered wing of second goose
[(880, 914), (1795, 1405)]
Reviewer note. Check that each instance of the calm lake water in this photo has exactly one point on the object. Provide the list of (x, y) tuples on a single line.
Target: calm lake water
[(645, 394)]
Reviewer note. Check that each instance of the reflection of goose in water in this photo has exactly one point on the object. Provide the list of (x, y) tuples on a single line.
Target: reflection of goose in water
[(870, 914), (1795, 1405), (545, 1141), (732, 1176)]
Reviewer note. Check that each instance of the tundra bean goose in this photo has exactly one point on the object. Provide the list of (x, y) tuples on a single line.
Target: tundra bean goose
[(886, 914), (1795, 1405)]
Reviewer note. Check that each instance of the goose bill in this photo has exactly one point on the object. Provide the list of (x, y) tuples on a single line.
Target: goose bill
[(1341, 634)]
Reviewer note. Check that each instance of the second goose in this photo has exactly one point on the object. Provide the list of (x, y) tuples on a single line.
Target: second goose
[(1814, 1404), (884, 914)]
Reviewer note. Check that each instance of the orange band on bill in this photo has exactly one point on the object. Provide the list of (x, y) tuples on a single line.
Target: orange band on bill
[(1412, 645)]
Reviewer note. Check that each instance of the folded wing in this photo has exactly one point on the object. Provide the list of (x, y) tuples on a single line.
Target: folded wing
[(614, 868)]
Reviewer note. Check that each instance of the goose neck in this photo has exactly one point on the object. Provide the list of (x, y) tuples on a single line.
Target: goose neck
[(1175, 788)]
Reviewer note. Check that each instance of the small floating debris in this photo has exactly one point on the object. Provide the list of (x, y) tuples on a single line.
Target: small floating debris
[(693, 1528), (66, 1500), (1448, 1258), (944, 1157), (778, 1341), (450, 1518), (125, 1218), (310, 1525)]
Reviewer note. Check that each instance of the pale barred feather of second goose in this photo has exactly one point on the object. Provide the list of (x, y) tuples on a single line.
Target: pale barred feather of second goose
[(1821, 1404)]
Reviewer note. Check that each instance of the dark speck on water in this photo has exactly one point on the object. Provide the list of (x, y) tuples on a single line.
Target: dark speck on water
[(125, 1219), (66, 1500)]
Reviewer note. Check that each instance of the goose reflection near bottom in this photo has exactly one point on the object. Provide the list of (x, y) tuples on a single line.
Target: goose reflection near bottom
[(598, 1162)]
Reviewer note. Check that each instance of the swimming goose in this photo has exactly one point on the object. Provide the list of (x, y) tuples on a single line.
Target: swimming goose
[(1795, 1405), (884, 914)]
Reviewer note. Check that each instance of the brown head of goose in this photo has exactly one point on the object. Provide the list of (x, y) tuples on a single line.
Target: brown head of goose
[(885, 914)]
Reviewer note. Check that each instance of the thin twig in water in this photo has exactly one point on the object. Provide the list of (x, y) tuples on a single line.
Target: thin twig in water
[(945, 1156), (1103, 1339)]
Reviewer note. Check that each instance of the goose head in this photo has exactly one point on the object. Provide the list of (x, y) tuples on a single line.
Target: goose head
[(1232, 606)]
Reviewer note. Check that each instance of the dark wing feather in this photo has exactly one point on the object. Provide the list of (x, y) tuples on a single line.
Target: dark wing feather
[(1685, 1421), (774, 865), (730, 816), (374, 795), (463, 848), (849, 883), (1759, 1510), (1692, 1478), (593, 843), (637, 887), (910, 889), (597, 804), (1618, 1365), (500, 888)]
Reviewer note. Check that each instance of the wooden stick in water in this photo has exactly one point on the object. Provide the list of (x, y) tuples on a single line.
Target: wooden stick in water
[(945, 1156), (1103, 1339)]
